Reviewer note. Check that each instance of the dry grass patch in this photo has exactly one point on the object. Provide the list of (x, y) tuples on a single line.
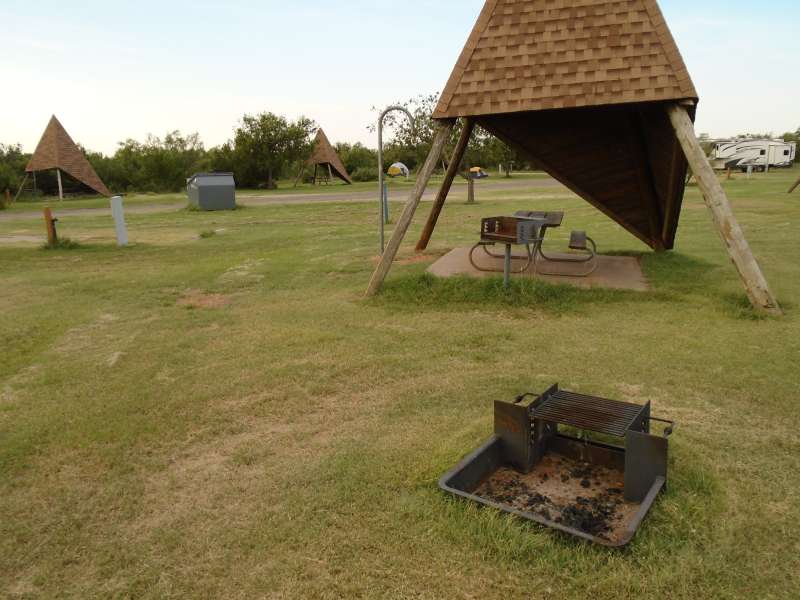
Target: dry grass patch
[(201, 299)]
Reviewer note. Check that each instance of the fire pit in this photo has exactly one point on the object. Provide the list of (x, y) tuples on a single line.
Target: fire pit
[(580, 464)]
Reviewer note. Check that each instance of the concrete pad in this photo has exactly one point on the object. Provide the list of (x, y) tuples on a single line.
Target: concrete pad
[(614, 272)]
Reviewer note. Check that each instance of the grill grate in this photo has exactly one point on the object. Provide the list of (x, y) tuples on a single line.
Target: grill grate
[(589, 413)]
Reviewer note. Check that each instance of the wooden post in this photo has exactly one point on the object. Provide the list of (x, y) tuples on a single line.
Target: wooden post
[(440, 139), (794, 187), (60, 187), (728, 227), (470, 190), (7, 201), (52, 237), (450, 175)]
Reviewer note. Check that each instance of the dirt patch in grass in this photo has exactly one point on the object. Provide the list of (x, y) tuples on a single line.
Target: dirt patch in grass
[(413, 259), (200, 299)]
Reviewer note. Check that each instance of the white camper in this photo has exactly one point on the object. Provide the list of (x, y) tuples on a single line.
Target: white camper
[(741, 154)]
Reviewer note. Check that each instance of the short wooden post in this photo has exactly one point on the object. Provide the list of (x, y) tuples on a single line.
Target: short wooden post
[(60, 187), (794, 187), (444, 190), (440, 139), (728, 227), (470, 190), (50, 224)]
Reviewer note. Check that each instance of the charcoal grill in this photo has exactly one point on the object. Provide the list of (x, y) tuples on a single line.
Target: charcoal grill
[(584, 465)]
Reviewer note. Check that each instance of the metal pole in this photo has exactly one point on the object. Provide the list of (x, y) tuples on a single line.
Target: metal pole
[(382, 212), (507, 268), (385, 202)]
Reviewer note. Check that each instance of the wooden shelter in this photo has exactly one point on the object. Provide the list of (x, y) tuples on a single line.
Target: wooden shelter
[(325, 156), (596, 92), (56, 150)]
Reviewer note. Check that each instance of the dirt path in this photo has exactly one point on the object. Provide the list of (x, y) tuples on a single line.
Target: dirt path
[(399, 195)]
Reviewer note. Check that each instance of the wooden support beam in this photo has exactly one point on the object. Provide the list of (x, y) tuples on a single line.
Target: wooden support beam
[(647, 186), (450, 175), (794, 187), (60, 187), (300, 174), (440, 139), (728, 227), (21, 187)]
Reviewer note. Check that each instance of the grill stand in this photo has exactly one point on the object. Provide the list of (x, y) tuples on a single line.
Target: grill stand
[(526, 434)]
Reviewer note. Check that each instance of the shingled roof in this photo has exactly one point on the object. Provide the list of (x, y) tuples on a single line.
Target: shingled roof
[(56, 150), (324, 154), (579, 86)]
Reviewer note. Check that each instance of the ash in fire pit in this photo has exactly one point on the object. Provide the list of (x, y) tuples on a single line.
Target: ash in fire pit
[(535, 466), (570, 492)]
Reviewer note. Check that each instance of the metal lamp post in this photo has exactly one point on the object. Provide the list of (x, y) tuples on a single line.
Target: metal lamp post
[(382, 195)]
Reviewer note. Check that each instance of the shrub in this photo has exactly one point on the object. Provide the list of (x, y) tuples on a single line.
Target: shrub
[(364, 174), (63, 244)]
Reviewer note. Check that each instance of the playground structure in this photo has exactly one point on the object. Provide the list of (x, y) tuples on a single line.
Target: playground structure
[(326, 157), (598, 96), (56, 150)]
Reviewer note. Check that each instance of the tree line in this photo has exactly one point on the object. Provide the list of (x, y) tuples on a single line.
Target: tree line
[(265, 148)]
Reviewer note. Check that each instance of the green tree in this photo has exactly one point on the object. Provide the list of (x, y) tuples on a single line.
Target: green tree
[(790, 136), (412, 142), (12, 167), (155, 165), (357, 156), (266, 144)]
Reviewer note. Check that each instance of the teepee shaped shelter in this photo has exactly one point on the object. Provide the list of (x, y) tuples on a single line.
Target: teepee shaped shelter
[(325, 156), (56, 150), (596, 92)]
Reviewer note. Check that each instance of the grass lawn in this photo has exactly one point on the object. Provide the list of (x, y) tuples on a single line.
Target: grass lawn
[(216, 412)]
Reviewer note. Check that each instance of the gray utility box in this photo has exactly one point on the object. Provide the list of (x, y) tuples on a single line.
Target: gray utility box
[(212, 191)]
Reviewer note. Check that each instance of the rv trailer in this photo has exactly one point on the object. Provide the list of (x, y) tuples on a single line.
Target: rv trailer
[(758, 154)]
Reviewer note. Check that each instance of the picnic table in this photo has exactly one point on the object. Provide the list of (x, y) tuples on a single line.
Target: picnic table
[(529, 229)]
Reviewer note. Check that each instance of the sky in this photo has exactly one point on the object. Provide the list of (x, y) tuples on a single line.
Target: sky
[(115, 70)]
